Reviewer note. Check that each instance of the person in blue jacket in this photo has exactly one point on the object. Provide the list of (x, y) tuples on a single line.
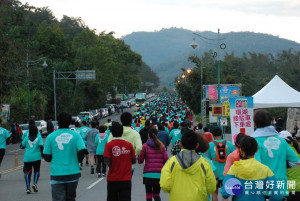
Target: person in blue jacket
[(163, 136), (33, 145), (248, 179), (273, 151)]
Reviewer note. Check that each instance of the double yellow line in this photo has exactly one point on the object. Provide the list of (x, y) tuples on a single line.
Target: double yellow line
[(11, 170)]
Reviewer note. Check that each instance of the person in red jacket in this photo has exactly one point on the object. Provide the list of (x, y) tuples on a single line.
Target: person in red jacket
[(155, 156)]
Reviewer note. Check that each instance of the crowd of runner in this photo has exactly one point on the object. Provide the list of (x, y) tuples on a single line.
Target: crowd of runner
[(185, 160)]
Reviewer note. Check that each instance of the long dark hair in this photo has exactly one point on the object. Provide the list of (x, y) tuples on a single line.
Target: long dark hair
[(294, 143), (152, 133)]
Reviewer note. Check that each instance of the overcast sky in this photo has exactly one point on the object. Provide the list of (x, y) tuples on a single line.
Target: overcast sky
[(277, 17)]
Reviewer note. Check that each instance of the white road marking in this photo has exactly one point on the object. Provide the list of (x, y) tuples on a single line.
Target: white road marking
[(93, 184)]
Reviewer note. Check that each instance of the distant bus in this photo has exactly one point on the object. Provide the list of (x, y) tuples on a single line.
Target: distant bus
[(140, 99)]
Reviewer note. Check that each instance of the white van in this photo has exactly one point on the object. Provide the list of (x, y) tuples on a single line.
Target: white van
[(42, 126)]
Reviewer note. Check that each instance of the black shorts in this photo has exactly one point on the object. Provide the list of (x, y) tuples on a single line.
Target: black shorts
[(219, 183), (2, 153)]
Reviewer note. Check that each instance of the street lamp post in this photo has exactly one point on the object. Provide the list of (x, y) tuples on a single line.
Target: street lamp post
[(220, 46), (27, 77)]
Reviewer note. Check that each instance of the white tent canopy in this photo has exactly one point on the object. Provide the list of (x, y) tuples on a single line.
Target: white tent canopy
[(276, 94)]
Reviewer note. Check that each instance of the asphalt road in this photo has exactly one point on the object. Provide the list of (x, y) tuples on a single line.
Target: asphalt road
[(90, 187)]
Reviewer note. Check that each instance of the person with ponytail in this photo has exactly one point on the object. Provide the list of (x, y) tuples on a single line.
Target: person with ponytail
[(33, 145), (293, 170), (155, 156)]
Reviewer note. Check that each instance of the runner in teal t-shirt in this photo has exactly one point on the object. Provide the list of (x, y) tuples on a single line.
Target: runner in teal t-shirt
[(84, 129), (175, 134), (25, 134), (63, 148), (32, 149), (212, 154), (64, 144), (4, 134), (33, 146), (101, 139)]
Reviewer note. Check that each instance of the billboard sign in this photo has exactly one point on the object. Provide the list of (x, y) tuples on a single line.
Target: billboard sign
[(226, 92), (5, 112)]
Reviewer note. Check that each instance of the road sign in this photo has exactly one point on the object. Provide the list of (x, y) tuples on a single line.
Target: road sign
[(85, 75)]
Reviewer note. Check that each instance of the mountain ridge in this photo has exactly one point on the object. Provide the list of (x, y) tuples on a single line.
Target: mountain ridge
[(167, 50)]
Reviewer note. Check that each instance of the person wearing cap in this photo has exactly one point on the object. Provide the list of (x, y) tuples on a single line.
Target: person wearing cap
[(293, 173), (273, 151)]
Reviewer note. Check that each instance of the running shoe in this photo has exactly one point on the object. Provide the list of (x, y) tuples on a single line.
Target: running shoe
[(28, 191), (103, 175), (92, 171), (99, 175), (35, 188)]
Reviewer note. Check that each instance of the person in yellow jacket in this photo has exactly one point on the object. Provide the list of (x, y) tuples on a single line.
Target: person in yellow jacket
[(248, 179), (188, 176)]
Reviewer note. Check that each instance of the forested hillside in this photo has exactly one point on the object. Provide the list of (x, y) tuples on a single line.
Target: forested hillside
[(167, 50), (67, 45)]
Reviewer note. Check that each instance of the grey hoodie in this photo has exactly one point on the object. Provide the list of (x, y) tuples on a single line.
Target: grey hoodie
[(90, 140), (187, 158)]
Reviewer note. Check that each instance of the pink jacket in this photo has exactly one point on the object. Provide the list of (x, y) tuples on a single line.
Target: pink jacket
[(155, 159), (234, 156)]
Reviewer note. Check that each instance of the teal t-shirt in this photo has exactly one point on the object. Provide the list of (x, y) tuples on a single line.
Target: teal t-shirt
[(83, 130), (273, 152), (211, 154), (25, 134), (210, 161), (32, 149), (175, 135), (154, 175), (4, 134), (63, 145), (101, 139), (77, 130)]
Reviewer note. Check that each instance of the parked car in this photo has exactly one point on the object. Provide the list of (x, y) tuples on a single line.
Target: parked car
[(112, 108), (104, 112), (96, 114), (55, 125), (124, 104), (132, 102), (81, 115), (42, 127), (24, 127), (75, 118)]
